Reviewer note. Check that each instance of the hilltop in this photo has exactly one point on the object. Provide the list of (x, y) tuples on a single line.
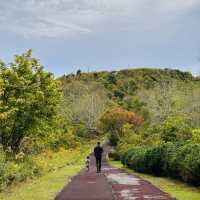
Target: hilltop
[(154, 93)]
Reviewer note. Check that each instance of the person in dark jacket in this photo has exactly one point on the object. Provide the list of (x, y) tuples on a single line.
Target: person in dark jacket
[(98, 151)]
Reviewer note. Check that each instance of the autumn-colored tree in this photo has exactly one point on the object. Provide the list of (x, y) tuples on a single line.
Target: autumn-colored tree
[(113, 120)]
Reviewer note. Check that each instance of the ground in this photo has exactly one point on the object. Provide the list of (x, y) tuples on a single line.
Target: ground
[(111, 183)]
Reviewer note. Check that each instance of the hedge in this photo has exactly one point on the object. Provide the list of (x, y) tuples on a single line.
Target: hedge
[(176, 160)]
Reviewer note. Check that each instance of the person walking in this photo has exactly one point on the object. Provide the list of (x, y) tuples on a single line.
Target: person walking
[(87, 163), (98, 151)]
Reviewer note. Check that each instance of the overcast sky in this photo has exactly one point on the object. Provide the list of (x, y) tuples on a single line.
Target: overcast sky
[(95, 35)]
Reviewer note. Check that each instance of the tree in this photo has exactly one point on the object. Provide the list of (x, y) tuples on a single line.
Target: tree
[(111, 78), (114, 119), (29, 96), (175, 129), (78, 73), (139, 107), (84, 103), (129, 87), (119, 94)]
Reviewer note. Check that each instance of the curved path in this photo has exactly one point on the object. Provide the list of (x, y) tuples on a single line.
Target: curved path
[(111, 184)]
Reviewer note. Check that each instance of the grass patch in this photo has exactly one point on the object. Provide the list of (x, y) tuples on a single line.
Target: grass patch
[(175, 188), (58, 168)]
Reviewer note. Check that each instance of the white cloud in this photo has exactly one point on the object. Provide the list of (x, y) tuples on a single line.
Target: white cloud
[(64, 18)]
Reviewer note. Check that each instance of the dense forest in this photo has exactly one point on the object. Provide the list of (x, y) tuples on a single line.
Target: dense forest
[(150, 116)]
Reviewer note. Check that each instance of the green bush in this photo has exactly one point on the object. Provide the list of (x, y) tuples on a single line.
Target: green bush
[(137, 160), (155, 159), (188, 163), (114, 155), (12, 171), (126, 158), (180, 160), (2, 168)]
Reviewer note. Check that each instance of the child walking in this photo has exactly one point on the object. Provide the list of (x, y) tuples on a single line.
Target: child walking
[(87, 163)]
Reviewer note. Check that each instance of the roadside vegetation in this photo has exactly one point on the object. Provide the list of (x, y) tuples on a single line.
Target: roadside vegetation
[(37, 130), (56, 168), (155, 129)]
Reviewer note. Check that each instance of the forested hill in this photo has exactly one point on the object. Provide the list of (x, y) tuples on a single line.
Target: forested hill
[(138, 74), (156, 94), (152, 117)]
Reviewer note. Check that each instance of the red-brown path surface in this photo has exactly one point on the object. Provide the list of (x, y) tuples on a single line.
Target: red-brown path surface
[(110, 184)]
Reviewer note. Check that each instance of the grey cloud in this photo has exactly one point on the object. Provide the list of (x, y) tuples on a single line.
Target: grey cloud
[(64, 18)]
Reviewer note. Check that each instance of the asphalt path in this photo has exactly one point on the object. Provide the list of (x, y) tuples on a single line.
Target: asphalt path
[(111, 184)]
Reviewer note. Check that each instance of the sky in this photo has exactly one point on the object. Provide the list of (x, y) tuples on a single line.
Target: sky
[(96, 35)]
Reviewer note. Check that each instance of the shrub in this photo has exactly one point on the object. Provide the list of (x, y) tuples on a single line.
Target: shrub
[(196, 136), (155, 159), (30, 145), (137, 160), (180, 160), (16, 170), (118, 152), (119, 94), (2, 167), (188, 163), (126, 158), (114, 155)]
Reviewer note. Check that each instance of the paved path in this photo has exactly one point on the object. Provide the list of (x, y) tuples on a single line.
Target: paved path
[(111, 184)]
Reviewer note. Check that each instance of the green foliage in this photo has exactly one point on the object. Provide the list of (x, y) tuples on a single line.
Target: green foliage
[(32, 120), (175, 129), (137, 106), (113, 138), (130, 136), (29, 96), (82, 131), (196, 136), (129, 87), (111, 79), (27, 167), (119, 94), (149, 82), (188, 163), (56, 169), (16, 171), (137, 160), (177, 160), (127, 156), (163, 93), (134, 158)]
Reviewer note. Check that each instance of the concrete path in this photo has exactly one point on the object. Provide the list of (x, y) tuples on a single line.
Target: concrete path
[(111, 184)]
